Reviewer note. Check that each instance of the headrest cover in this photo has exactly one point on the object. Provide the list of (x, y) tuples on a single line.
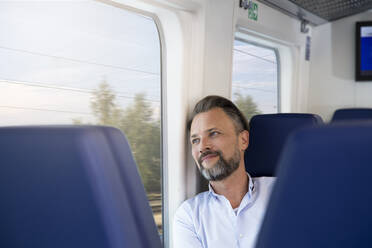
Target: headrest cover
[(71, 186), (348, 114), (322, 197), (268, 134)]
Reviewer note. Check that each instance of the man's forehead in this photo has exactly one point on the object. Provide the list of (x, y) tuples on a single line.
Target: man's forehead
[(207, 130), (213, 119)]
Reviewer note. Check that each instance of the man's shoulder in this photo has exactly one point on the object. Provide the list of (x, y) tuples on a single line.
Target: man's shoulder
[(265, 180), (194, 203), (265, 184)]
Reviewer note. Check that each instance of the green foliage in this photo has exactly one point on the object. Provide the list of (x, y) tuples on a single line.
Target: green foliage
[(140, 128), (104, 107), (143, 134), (246, 105)]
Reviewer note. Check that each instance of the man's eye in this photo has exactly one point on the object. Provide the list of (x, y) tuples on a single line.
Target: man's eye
[(214, 133), (194, 141)]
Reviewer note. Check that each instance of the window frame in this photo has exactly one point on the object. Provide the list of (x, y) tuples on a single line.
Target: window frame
[(163, 120)]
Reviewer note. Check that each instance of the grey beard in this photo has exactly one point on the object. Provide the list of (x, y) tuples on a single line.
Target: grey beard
[(222, 169)]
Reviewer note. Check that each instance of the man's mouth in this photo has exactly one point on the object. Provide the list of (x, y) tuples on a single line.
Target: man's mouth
[(208, 156)]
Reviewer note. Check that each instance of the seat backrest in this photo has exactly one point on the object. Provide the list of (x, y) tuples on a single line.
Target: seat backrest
[(323, 196), (71, 186), (267, 135), (352, 114)]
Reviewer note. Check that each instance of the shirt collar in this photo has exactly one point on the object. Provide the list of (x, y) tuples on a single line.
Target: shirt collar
[(251, 188)]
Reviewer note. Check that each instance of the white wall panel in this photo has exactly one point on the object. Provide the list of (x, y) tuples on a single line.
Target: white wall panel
[(332, 78)]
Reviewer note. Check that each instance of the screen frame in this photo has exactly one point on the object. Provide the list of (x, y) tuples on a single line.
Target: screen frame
[(358, 74)]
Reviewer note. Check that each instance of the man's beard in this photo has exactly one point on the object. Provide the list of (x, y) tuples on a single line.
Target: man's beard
[(222, 169)]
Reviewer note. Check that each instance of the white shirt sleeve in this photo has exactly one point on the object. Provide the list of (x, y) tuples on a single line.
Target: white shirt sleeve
[(184, 234)]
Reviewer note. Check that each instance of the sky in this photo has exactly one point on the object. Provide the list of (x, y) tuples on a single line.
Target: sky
[(54, 54)]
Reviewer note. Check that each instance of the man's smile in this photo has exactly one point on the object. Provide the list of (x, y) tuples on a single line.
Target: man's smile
[(207, 156)]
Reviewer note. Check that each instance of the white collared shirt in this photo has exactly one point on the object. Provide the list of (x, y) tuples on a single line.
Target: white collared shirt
[(208, 220)]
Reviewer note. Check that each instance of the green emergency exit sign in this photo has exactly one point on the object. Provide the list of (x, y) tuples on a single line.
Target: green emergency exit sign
[(253, 12)]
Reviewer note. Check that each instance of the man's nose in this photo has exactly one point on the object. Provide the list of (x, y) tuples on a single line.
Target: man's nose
[(204, 145)]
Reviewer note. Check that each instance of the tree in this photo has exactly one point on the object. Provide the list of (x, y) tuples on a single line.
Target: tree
[(144, 136), (246, 105), (139, 127), (104, 107)]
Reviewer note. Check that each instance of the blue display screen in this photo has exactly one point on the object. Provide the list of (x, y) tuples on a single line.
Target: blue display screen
[(366, 49)]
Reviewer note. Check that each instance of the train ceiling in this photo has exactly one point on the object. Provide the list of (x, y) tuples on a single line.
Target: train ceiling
[(317, 12)]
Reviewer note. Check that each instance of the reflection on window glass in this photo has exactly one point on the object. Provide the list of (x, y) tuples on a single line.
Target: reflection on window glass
[(255, 79), (85, 63)]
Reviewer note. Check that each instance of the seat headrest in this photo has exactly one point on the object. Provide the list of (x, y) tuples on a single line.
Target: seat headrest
[(71, 186), (348, 114), (268, 133), (323, 196)]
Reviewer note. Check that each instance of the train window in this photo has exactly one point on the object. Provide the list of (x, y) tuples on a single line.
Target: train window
[(255, 79), (85, 62)]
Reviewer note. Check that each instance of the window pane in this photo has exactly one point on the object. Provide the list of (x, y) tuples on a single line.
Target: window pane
[(255, 79), (84, 62)]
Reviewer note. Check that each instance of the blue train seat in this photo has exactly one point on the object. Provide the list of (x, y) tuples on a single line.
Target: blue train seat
[(323, 196), (268, 133), (71, 186), (352, 114)]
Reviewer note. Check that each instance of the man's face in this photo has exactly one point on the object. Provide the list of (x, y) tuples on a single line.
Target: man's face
[(216, 147)]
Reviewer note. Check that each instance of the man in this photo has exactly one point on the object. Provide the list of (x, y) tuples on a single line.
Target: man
[(230, 213)]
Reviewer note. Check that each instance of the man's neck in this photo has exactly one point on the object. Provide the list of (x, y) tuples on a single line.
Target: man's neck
[(233, 187)]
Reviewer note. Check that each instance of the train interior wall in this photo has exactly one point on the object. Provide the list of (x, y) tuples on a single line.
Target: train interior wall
[(332, 82)]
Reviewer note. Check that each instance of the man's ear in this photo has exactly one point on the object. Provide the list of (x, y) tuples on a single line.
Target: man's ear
[(243, 140)]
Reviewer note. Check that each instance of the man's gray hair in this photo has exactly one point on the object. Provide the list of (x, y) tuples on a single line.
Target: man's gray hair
[(211, 102)]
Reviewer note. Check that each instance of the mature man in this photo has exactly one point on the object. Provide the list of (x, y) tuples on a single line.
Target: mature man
[(230, 213)]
